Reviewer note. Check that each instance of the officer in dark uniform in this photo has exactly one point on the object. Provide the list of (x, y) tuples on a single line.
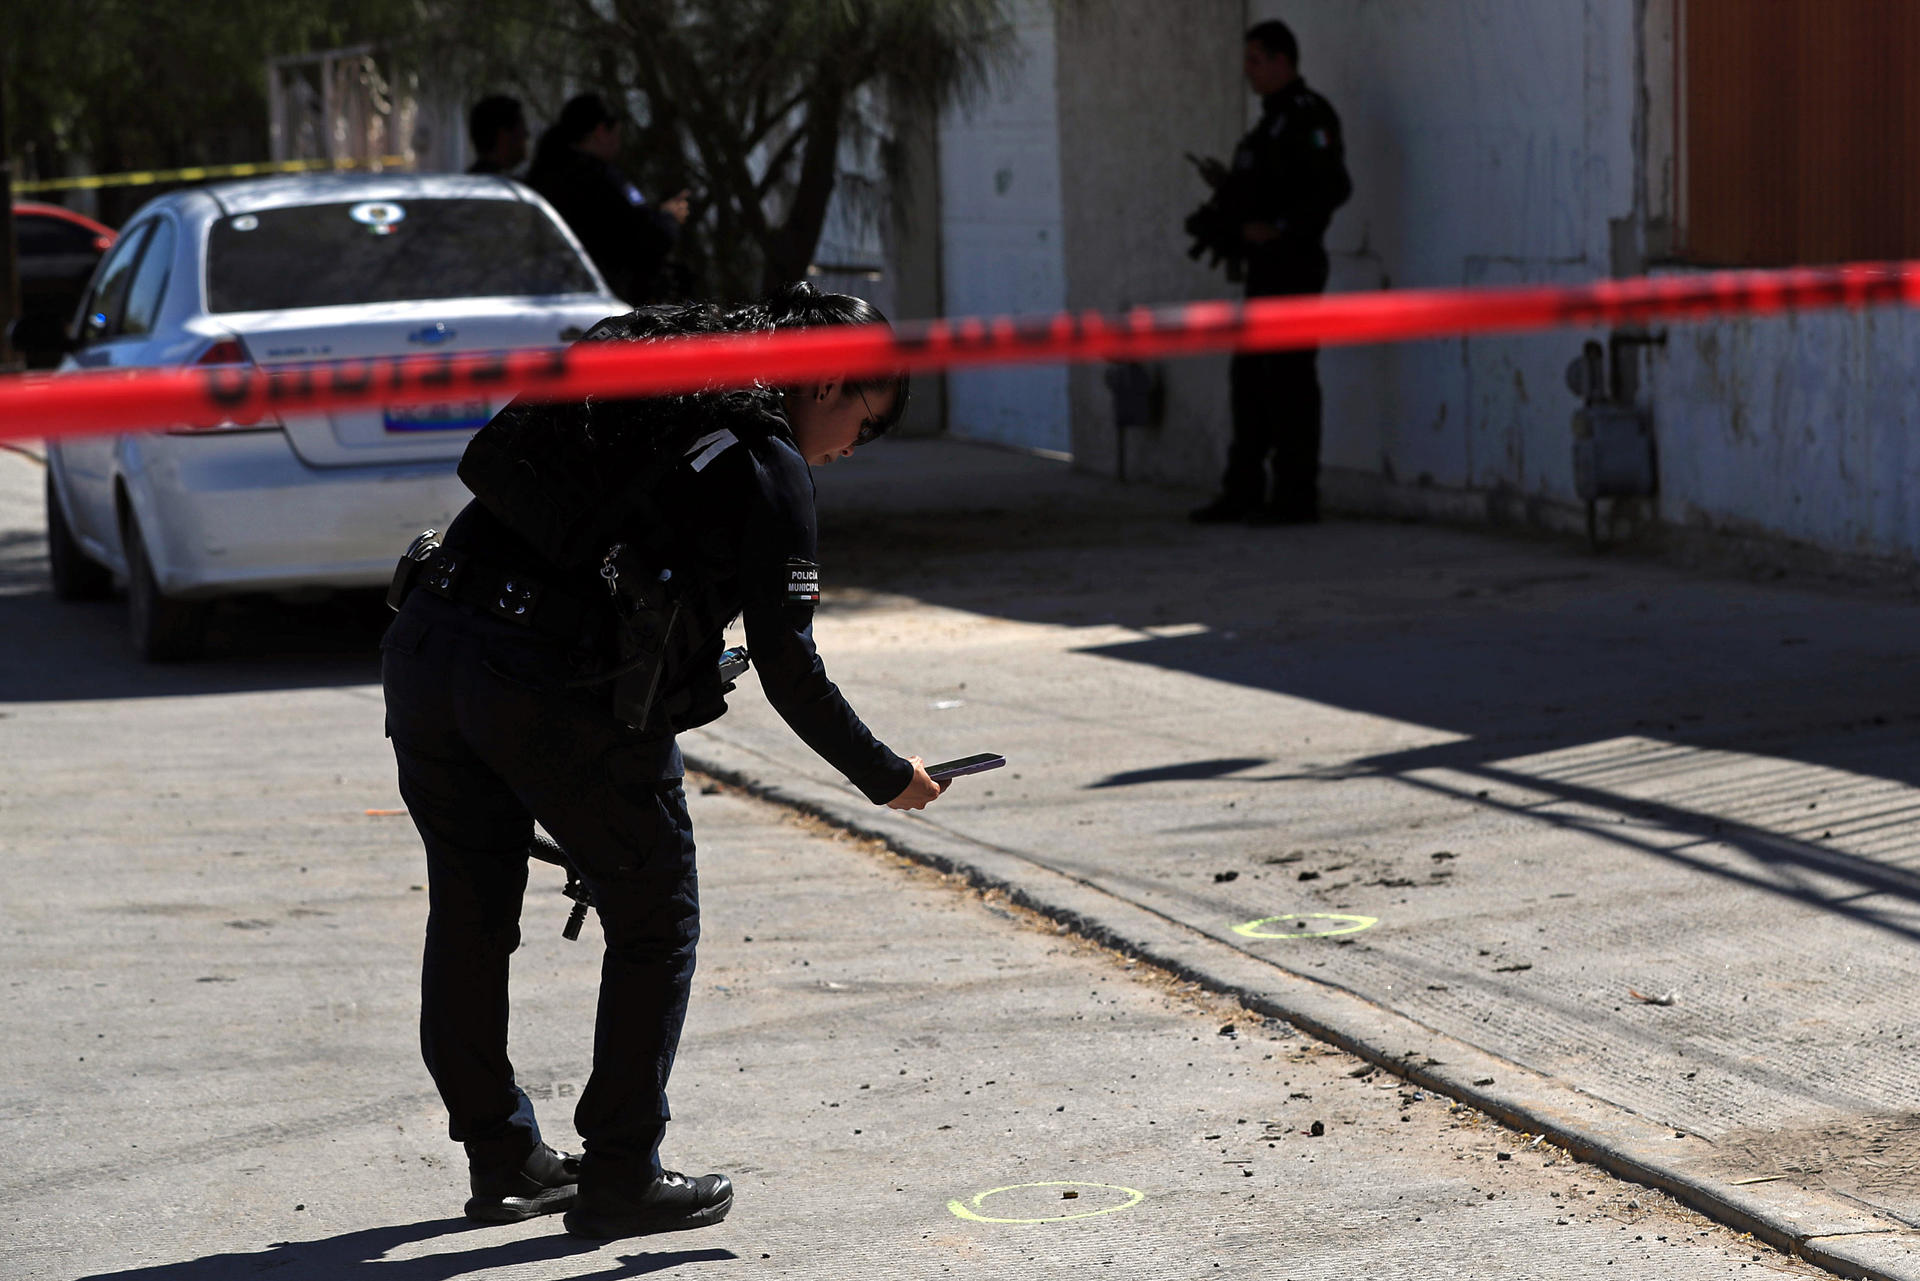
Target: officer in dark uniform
[(627, 238), (539, 668), (1271, 209), (498, 128)]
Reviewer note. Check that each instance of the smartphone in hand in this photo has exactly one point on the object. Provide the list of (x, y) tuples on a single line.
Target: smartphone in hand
[(946, 770)]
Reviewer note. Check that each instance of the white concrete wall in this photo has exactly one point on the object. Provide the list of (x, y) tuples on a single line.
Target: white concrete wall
[(1001, 238), (1507, 141), (1800, 428), (1490, 142)]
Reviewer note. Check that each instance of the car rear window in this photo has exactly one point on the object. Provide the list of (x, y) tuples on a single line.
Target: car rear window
[(388, 251)]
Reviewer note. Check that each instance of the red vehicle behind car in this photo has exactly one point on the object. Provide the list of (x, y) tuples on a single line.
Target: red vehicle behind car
[(57, 252)]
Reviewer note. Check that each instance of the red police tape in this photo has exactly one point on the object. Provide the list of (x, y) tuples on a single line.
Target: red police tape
[(84, 402)]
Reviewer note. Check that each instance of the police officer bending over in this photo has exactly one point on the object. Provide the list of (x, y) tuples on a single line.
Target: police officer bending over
[(540, 667)]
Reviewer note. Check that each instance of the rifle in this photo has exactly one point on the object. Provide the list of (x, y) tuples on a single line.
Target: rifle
[(576, 889), (733, 665), (1216, 225)]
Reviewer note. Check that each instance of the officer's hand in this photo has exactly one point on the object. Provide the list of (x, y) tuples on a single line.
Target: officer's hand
[(677, 208), (1258, 233), (919, 791)]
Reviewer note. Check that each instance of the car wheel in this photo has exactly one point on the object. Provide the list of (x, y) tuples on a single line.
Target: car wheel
[(75, 575), (164, 628)]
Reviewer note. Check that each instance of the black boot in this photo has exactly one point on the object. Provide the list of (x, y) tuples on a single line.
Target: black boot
[(671, 1203), (545, 1183)]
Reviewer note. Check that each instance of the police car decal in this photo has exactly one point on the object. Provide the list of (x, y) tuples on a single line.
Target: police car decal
[(803, 582)]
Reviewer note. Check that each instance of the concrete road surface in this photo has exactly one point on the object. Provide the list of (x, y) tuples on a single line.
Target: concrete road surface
[(209, 947), (1629, 849)]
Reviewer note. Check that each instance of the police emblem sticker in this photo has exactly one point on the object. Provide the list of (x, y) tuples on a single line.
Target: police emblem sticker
[(803, 582), (378, 216)]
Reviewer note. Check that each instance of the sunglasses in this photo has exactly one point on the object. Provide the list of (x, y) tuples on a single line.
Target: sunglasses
[(872, 428)]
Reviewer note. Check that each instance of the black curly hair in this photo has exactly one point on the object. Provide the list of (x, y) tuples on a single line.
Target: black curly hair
[(801, 306), (790, 306), (568, 475)]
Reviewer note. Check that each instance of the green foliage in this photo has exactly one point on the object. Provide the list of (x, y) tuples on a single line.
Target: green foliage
[(129, 84), (745, 102)]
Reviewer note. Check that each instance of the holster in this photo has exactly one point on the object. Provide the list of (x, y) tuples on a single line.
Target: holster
[(413, 563), (646, 606), (642, 638)]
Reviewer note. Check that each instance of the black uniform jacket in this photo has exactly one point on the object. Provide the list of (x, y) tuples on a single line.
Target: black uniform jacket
[(627, 238), (739, 507), (1291, 171)]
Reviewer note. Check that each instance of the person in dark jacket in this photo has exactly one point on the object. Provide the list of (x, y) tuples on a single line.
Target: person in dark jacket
[(504, 676), (627, 238), (498, 128), (1287, 177)]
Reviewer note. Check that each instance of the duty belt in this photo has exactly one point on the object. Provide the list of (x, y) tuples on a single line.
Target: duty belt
[(513, 595)]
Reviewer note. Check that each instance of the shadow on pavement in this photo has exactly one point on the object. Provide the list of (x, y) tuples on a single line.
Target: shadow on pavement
[(363, 1253), (1515, 686), (1188, 771), (63, 650), (1523, 647)]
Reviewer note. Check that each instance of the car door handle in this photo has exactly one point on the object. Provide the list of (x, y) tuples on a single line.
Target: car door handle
[(572, 333)]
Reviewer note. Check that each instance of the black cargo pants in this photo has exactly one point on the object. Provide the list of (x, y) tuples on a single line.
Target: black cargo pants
[(1276, 404), (486, 745)]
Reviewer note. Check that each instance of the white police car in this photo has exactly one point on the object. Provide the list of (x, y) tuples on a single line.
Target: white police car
[(313, 267)]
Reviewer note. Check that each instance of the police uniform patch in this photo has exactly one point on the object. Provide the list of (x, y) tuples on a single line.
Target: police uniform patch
[(803, 582)]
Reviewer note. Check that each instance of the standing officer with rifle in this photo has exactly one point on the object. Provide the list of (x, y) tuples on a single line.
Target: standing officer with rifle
[(1265, 221), (543, 659)]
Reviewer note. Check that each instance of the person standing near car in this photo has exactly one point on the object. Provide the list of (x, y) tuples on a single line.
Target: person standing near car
[(573, 167), (1287, 177), (567, 629), (498, 128)]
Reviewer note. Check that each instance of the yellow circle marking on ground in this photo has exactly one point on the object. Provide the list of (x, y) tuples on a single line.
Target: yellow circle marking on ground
[(963, 1211), (1252, 929)]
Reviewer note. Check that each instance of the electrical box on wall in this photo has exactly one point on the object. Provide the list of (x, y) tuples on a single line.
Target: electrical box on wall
[(1612, 452), (1137, 394), (1139, 400)]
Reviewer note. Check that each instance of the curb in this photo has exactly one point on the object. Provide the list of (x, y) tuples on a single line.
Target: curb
[(1840, 1236)]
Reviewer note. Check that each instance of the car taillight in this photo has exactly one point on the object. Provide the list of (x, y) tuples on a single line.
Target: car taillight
[(226, 351)]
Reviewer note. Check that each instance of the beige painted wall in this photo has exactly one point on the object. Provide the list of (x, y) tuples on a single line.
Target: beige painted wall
[(1140, 82)]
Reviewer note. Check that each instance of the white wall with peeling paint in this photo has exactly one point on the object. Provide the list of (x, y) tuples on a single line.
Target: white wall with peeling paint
[(1799, 427), (1491, 142)]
